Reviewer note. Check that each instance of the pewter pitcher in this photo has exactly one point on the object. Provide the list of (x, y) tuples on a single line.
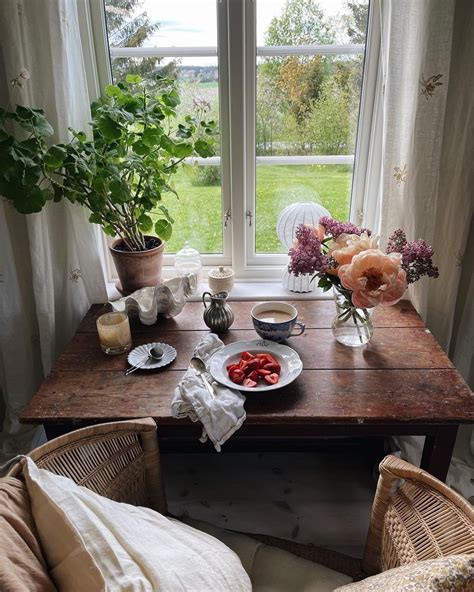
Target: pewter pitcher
[(218, 316)]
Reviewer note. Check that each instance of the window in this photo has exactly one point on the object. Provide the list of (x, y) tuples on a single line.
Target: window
[(284, 80)]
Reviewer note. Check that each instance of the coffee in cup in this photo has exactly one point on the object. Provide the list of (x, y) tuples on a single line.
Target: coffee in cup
[(275, 321)]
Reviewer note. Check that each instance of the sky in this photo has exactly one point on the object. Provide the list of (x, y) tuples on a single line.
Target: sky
[(193, 23)]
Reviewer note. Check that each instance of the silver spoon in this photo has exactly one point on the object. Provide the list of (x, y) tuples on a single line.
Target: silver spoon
[(200, 368), (155, 353)]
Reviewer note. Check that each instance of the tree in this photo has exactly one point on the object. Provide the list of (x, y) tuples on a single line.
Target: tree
[(302, 22), (301, 83), (128, 27), (269, 113), (356, 21), (327, 126)]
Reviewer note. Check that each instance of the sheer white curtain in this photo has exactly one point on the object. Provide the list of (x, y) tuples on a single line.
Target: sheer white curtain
[(50, 265), (427, 174)]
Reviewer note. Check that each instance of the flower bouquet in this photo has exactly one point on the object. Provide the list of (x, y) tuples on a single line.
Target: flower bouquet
[(348, 259)]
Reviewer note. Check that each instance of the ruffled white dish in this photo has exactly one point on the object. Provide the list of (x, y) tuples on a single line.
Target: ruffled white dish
[(139, 353), (168, 299), (289, 360)]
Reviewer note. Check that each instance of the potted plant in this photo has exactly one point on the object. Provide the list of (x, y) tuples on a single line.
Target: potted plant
[(120, 172)]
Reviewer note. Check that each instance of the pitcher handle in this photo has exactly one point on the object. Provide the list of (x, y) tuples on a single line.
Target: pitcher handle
[(302, 328), (204, 298)]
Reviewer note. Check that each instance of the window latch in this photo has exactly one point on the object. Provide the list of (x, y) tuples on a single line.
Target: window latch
[(249, 216), (227, 217)]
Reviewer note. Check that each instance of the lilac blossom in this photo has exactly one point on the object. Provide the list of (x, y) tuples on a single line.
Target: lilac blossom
[(416, 256), (336, 228), (306, 255)]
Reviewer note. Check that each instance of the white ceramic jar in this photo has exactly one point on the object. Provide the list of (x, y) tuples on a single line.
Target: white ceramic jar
[(221, 280)]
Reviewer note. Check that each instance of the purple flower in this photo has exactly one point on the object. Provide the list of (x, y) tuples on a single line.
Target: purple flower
[(417, 256), (306, 255), (336, 228)]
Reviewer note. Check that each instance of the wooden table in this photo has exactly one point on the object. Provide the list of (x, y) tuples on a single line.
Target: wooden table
[(400, 383)]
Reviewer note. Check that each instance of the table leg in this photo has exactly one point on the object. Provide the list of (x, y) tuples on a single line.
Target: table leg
[(438, 450)]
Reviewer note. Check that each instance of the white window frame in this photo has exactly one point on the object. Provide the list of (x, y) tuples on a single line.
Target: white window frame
[(237, 54)]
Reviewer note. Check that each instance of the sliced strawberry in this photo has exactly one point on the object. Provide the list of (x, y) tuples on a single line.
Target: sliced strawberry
[(272, 378), (237, 376), (246, 356), (273, 367), (253, 364), (243, 364), (231, 367), (253, 375), (250, 383), (263, 372)]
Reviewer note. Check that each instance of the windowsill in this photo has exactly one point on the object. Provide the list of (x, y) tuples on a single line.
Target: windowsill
[(249, 290)]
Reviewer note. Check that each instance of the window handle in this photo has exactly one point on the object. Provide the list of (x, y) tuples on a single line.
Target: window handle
[(249, 216), (227, 217)]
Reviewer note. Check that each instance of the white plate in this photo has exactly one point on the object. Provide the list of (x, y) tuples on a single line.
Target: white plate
[(289, 360), (139, 353)]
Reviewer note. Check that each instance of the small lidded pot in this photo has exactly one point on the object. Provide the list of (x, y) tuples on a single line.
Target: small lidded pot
[(221, 280)]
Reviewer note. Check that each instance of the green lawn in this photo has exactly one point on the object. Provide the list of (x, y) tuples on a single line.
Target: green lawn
[(198, 211)]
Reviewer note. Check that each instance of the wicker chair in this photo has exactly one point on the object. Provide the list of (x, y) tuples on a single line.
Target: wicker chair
[(414, 516)]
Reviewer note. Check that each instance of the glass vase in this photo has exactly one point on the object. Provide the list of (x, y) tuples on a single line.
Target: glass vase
[(351, 326)]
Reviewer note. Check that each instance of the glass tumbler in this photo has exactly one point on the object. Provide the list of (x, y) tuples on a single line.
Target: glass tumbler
[(114, 333)]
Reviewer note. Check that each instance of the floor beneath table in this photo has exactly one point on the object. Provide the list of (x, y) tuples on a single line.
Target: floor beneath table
[(321, 497)]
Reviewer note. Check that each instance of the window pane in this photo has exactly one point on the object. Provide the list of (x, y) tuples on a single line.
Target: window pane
[(280, 186), (198, 211), (161, 23), (306, 106)]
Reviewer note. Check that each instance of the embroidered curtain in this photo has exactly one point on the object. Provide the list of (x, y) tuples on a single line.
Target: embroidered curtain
[(427, 174), (50, 266)]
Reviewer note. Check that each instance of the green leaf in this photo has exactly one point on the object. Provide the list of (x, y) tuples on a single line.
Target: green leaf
[(140, 148), (203, 148), (133, 78), (31, 200), (119, 191), (95, 218), (109, 128), (167, 214), (171, 99), (145, 223), (163, 229), (151, 137), (113, 91), (181, 150), (55, 157)]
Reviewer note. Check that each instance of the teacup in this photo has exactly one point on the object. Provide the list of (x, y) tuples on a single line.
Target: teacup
[(275, 321)]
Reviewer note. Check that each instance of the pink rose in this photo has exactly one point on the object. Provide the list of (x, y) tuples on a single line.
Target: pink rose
[(346, 246), (319, 231), (24, 74), (374, 278)]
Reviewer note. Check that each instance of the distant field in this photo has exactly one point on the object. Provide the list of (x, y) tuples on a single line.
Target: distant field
[(198, 212)]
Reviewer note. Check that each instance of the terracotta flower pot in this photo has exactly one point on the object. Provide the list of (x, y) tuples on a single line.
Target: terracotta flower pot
[(137, 269)]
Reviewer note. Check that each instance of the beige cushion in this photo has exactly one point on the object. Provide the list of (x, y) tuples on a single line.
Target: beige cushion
[(93, 543), (22, 566), (275, 570), (454, 573)]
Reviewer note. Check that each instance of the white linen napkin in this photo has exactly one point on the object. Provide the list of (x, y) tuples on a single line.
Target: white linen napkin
[(220, 416)]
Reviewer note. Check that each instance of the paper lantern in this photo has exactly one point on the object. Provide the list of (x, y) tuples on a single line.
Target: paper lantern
[(288, 222), (292, 216)]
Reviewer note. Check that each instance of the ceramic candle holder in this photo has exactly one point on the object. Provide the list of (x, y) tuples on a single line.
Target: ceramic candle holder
[(114, 333)]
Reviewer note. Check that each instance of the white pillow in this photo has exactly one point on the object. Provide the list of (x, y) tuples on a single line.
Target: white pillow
[(96, 544)]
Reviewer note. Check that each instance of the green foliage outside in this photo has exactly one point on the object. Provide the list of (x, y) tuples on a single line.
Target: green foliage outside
[(198, 208)]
